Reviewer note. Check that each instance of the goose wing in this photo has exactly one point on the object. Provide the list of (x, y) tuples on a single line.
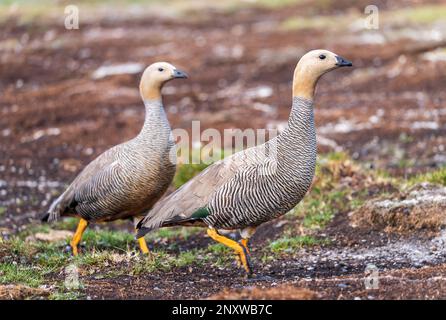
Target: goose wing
[(190, 201)]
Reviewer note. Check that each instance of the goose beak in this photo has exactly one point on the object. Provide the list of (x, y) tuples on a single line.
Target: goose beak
[(178, 74), (341, 62)]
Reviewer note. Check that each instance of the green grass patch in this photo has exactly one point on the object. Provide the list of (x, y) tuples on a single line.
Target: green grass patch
[(49, 255), (185, 172), (29, 11), (288, 244), (217, 254), (163, 261), (173, 233), (319, 209), (218, 249), (437, 176), (13, 273), (66, 295), (106, 239)]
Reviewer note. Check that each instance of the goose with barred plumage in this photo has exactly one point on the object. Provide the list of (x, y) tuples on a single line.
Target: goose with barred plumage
[(126, 180), (258, 184)]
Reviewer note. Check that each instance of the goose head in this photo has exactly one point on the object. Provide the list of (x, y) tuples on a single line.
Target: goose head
[(311, 67), (155, 76)]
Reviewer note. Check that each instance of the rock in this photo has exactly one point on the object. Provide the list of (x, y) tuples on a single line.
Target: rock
[(51, 236), (421, 207)]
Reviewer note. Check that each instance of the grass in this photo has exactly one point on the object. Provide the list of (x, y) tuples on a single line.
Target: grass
[(326, 197), (106, 239), (69, 223), (173, 233), (13, 273), (185, 172), (420, 14), (437, 176), (163, 261), (30, 11), (423, 14), (321, 207), (314, 22), (65, 295), (291, 243)]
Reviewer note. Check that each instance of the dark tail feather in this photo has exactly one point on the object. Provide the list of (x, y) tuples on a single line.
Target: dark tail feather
[(45, 217), (139, 225), (142, 231)]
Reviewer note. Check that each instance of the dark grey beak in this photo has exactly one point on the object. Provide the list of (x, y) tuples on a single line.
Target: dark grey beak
[(179, 74), (341, 62)]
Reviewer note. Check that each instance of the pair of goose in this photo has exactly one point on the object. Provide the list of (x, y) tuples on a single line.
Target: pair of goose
[(239, 192)]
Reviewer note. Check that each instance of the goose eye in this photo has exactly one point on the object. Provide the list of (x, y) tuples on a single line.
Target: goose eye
[(322, 56), (160, 69)]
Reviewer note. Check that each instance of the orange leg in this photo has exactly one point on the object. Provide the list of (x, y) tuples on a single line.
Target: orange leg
[(244, 243), (141, 241), (239, 249), (143, 245), (78, 235)]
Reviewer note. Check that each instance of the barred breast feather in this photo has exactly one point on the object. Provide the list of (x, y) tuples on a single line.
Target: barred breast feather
[(249, 187), (125, 180)]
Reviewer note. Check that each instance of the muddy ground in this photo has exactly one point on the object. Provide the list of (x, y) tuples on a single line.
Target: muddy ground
[(388, 113)]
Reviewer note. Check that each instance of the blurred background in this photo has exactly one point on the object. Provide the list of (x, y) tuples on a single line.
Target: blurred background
[(69, 94)]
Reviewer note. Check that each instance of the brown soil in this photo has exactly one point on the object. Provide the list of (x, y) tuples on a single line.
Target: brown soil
[(281, 292), (15, 292)]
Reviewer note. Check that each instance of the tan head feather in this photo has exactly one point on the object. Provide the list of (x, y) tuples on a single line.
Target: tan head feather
[(155, 76), (311, 67)]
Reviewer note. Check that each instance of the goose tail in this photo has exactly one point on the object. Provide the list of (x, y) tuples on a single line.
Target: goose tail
[(57, 209)]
